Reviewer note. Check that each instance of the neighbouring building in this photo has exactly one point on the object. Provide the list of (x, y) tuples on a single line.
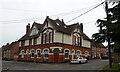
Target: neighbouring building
[(98, 49), (10, 51), (54, 42)]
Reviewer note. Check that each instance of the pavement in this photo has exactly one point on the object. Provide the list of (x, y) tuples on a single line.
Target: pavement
[(91, 65)]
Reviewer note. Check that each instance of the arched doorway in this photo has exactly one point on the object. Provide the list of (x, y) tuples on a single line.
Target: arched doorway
[(56, 55)]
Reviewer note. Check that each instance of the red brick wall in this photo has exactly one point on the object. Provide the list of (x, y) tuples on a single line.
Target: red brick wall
[(50, 57)]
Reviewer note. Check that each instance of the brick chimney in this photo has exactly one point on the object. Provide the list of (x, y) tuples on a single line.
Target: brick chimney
[(28, 28), (81, 26)]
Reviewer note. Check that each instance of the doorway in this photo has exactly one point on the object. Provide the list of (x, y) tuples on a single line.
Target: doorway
[(56, 55)]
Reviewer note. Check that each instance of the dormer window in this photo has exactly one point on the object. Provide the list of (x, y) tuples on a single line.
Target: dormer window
[(65, 26), (58, 24), (34, 31)]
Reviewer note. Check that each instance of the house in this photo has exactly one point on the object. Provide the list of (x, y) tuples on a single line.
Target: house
[(98, 49), (10, 51), (54, 42)]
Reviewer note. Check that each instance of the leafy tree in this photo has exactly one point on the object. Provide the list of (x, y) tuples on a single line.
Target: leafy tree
[(109, 28)]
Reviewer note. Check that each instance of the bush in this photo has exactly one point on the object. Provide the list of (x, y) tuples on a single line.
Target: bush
[(115, 68), (7, 59)]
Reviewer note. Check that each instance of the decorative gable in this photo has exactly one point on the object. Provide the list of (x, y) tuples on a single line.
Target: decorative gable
[(34, 31)]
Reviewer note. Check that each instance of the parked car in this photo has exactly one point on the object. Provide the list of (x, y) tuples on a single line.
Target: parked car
[(105, 56), (79, 60)]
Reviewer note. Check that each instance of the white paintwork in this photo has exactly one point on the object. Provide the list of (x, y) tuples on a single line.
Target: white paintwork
[(67, 39), (86, 43), (32, 41), (39, 39), (49, 25), (58, 37), (34, 31), (26, 42), (20, 44)]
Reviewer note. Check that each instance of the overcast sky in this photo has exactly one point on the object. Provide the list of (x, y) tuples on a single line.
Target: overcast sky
[(16, 14)]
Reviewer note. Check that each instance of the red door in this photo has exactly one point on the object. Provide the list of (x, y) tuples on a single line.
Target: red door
[(56, 55)]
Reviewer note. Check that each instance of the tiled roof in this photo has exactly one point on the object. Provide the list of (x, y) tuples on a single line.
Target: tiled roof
[(97, 45), (58, 26)]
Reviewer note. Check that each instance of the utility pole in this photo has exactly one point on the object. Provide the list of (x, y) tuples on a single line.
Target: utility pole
[(108, 35)]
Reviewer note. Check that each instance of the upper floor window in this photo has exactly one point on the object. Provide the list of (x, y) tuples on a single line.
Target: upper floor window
[(30, 42), (51, 37), (76, 39), (47, 37), (35, 41), (22, 43)]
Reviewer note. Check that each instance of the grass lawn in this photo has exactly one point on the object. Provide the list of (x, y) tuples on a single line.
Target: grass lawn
[(115, 68)]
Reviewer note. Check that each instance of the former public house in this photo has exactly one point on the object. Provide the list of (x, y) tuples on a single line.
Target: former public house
[(54, 42)]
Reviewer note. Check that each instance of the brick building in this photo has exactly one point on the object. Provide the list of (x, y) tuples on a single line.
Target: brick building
[(54, 42), (98, 49), (10, 51)]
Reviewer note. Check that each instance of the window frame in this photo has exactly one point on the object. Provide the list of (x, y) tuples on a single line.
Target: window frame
[(68, 53)]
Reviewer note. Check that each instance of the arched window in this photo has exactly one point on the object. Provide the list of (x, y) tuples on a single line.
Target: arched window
[(38, 53), (46, 51), (27, 51), (32, 53), (78, 53), (22, 53), (66, 53), (86, 53)]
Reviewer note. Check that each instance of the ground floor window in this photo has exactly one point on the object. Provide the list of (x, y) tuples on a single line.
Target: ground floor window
[(46, 54), (22, 53), (78, 53), (32, 53), (38, 53), (66, 53)]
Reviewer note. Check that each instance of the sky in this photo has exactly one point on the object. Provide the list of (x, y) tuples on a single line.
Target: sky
[(16, 14)]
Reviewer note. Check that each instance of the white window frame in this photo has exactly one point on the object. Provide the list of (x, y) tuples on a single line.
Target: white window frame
[(37, 53), (79, 54), (68, 53), (22, 52), (44, 53), (31, 53)]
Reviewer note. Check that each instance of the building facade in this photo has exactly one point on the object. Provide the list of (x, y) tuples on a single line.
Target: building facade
[(54, 42), (10, 51), (98, 49)]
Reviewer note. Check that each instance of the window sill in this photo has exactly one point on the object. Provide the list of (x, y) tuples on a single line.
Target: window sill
[(66, 58)]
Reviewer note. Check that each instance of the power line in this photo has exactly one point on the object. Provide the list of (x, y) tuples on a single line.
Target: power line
[(57, 15), (85, 12)]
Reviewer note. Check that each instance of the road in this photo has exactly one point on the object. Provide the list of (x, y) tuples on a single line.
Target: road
[(91, 65)]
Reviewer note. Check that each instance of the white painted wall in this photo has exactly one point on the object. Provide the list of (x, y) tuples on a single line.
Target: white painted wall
[(39, 39), (86, 43), (57, 37), (20, 44), (26, 42), (67, 39)]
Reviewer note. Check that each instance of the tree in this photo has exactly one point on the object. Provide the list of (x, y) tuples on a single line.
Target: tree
[(109, 28)]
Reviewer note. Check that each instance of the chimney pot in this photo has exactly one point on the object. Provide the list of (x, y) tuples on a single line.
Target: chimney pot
[(28, 28), (81, 25)]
